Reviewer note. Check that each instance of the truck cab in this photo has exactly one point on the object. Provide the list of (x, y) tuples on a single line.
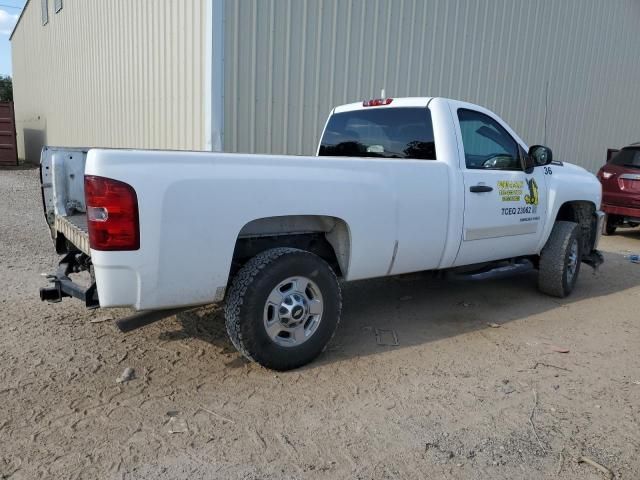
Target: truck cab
[(501, 190)]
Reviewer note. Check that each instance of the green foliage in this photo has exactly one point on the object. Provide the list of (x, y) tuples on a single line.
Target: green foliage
[(6, 89)]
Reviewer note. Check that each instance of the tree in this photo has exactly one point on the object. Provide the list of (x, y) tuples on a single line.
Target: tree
[(6, 89)]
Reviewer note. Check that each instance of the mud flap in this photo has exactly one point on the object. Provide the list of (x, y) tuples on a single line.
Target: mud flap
[(593, 259)]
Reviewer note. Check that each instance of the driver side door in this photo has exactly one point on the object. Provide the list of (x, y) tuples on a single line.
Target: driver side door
[(504, 207)]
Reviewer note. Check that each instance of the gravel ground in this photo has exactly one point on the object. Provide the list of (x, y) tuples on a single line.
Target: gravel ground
[(456, 399)]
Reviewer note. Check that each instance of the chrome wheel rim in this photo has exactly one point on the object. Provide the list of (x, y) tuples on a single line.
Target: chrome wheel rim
[(293, 311), (572, 260)]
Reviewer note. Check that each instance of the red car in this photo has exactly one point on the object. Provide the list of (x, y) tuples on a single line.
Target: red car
[(620, 179)]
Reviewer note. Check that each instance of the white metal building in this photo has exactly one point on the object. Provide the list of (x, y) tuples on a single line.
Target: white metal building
[(262, 75)]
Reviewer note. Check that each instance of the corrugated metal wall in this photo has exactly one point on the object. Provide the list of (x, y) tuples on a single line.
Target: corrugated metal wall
[(115, 73), (287, 62)]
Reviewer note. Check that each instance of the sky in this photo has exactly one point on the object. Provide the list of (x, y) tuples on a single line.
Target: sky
[(9, 13)]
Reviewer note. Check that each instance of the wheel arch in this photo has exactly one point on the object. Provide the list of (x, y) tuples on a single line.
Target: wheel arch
[(581, 212), (327, 236)]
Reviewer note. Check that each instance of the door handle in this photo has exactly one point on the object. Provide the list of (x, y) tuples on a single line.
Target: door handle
[(480, 189)]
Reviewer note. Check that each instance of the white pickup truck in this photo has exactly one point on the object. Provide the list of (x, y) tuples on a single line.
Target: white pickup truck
[(398, 185)]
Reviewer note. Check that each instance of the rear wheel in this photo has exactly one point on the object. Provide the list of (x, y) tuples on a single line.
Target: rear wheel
[(283, 307), (560, 260)]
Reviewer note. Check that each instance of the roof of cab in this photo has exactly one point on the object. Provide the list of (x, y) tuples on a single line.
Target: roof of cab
[(397, 102)]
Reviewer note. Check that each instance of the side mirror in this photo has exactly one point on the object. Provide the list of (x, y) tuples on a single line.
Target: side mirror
[(541, 155)]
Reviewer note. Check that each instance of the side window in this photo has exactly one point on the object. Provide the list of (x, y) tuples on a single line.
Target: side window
[(487, 145)]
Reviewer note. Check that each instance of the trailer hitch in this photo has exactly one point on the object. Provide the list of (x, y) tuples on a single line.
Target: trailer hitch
[(62, 286)]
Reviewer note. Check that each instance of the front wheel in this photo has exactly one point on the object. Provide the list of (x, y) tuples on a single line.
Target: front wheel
[(560, 260), (283, 307)]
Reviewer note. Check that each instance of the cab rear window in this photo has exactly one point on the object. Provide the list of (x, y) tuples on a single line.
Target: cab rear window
[(380, 132)]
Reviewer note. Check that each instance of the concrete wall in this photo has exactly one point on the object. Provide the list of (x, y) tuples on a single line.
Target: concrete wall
[(561, 72), (117, 73)]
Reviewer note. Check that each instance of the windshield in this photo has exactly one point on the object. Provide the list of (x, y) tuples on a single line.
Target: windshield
[(627, 157), (382, 132)]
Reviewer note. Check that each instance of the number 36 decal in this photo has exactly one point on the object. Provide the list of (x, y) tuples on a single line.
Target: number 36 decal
[(548, 171)]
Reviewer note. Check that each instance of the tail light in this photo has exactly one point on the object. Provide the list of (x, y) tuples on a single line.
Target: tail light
[(112, 214), (377, 102)]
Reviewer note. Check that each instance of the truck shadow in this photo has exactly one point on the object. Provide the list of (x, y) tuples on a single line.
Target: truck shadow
[(631, 233), (420, 309)]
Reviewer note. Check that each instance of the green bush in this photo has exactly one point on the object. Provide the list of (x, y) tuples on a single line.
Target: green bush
[(6, 89)]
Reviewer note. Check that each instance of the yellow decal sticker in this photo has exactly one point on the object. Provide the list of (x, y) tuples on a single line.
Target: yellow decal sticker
[(532, 198), (510, 190)]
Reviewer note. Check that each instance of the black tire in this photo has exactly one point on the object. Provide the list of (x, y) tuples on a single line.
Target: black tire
[(610, 225), (247, 299), (554, 275)]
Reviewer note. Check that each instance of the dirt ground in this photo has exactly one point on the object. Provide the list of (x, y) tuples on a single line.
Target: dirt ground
[(456, 398)]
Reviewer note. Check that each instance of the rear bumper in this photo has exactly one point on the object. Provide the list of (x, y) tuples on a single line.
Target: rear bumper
[(627, 212)]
